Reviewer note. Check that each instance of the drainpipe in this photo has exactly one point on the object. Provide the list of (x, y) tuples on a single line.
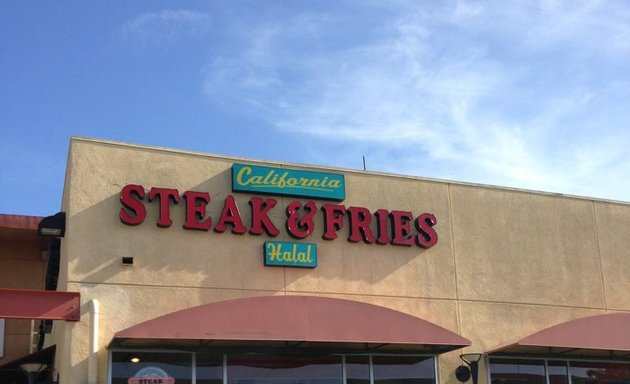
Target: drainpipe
[(93, 307)]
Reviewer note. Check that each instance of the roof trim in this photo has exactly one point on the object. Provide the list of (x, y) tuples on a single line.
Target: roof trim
[(588, 336), (344, 170), (295, 319)]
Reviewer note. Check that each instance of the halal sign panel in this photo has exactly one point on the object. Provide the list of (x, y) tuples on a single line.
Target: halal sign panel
[(289, 254)]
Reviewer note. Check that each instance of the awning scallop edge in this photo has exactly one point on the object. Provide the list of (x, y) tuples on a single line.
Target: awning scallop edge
[(307, 319), (606, 335)]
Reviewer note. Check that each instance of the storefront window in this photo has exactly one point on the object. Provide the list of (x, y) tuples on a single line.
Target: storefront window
[(511, 371), (131, 367), (584, 372), (264, 369), (209, 368), (357, 370), (557, 371), (403, 370)]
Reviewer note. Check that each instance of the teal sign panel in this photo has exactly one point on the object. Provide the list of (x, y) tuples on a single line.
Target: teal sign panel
[(288, 182), (287, 254)]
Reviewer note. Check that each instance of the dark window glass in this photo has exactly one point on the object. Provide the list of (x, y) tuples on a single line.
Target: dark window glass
[(403, 369), (209, 368), (557, 371), (264, 369), (583, 372), (151, 364), (512, 371), (357, 370)]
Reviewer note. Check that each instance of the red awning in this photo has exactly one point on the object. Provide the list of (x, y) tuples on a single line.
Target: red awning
[(19, 222), (19, 228), (594, 336), (299, 319), (40, 305)]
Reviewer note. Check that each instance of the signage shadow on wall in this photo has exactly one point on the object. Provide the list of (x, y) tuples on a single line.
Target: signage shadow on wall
[(209, 236)]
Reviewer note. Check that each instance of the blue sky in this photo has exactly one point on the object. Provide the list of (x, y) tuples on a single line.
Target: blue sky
[(523, 94)]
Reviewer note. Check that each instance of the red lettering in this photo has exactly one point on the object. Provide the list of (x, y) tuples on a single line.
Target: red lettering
[(260, 218), (333, 220), (360, 219), (165, 195), (401, 228), (427, 236), (196, 203), (133, 211), (230, 215), (300, 221), (382, 216), (297, 227)]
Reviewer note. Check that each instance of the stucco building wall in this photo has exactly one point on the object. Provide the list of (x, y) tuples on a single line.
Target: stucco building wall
[(507, 263)]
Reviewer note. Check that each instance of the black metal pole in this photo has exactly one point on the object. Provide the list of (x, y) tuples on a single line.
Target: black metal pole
[(474, 371)]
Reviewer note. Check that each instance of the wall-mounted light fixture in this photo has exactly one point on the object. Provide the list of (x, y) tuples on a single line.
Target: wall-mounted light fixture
[(135, 359), (52, 226), (31, 370), (471, 369)]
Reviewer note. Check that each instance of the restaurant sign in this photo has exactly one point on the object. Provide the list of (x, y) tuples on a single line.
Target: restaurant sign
[(302, 219), (289, 182), (381, 226), (151, 375), (287, 254)]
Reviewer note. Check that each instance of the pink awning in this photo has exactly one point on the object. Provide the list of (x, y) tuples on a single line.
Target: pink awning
[(299, 319), (19, 221), (39, 304), (19, 228), (600, 335)]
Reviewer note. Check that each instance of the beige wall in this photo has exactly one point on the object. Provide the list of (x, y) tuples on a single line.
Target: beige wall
[(507, 263)]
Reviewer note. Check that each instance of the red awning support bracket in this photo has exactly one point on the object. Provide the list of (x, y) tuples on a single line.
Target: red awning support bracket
[(39, 305)]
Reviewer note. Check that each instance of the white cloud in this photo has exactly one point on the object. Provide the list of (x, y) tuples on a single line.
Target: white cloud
[(499, 95), (166, 26), (465, 9)]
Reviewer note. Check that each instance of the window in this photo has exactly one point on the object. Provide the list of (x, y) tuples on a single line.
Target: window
[(129, 367), (511, 371), (357, 370), (585, 372), (537, 371), (403, 370), (264, 368), (557, 371), (209, 368)]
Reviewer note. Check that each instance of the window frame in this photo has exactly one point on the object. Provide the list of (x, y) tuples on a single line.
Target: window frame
[(566, 360), (225, 359)]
